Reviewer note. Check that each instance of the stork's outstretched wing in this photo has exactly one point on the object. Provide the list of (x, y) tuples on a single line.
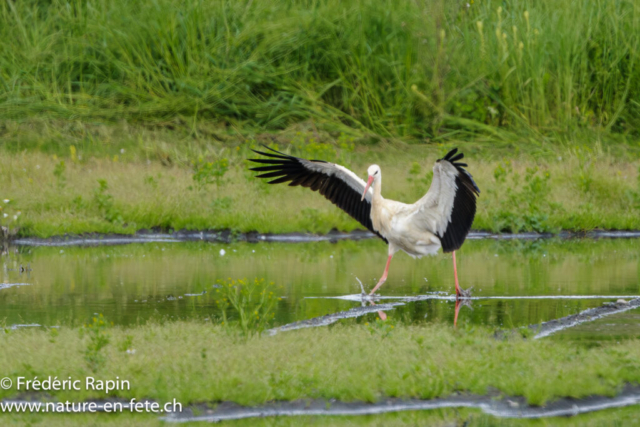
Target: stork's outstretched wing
[(336, 183), (449, 206)]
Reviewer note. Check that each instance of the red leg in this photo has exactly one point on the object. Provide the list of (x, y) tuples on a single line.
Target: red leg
[(455, 275), (455, 317), (384, 276)]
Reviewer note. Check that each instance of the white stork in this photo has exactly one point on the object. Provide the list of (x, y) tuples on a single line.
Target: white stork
[(442, 218)]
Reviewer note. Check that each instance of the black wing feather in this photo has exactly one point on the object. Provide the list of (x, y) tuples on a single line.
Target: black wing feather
[(464, 205), (291, 169)]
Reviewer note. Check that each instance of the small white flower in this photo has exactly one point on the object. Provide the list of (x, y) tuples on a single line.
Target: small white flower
[(5, 215), (6, 200), (15, 217), (222, 252), (122, 151)]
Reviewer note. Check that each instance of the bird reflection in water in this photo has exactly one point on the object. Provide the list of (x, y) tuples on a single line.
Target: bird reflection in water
[(460, 302)]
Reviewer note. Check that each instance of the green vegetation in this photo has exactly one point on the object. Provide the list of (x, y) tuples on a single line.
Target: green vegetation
[(117, 116), (75, 178), (348, 362), (409, 69), (98, 340), (253, 301)]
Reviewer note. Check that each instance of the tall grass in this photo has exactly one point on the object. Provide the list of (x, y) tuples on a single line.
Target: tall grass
[(408, 68)]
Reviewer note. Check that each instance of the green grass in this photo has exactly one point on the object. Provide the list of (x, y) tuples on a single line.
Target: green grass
[(117, 116), (411, 69), (76, 178), (200, 362)]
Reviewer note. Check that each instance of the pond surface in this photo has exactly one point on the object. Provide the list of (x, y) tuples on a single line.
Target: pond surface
[(130, 284)]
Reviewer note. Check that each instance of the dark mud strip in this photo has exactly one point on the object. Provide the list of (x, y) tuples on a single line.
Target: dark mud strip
[(506, 407), (332, 318), (226, 236), (552, 326)]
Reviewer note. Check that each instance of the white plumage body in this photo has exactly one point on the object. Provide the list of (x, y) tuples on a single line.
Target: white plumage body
[(414, 228)]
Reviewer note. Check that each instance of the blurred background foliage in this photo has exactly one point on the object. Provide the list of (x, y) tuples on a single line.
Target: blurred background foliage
[(400, 68)]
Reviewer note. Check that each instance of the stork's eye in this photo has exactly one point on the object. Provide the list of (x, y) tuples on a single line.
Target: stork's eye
[(375, 173)]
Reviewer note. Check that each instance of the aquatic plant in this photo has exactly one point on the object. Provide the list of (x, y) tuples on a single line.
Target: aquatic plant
[(253, 303)]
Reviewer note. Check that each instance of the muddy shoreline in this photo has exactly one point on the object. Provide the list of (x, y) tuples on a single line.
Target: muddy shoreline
[(495, 404), (228, 236)]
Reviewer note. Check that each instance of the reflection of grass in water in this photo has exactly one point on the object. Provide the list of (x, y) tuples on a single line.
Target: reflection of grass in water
[(152, 271), (252, 301), (345, 362)]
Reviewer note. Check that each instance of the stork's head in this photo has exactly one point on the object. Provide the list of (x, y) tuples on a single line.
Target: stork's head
[(374, 175)]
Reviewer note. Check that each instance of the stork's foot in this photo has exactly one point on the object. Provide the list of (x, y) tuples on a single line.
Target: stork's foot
[(463, 293)]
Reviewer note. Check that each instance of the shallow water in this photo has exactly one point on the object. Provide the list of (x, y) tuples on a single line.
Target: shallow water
[(133, 283)]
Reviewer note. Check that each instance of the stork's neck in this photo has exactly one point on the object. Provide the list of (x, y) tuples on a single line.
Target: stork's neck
[(377, 190)]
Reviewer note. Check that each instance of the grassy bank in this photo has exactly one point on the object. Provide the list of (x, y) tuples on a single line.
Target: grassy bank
[(394, 68), (62, 177), (200, 362), (116, 116)]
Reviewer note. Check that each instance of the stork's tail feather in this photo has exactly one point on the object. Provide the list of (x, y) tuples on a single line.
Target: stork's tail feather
[(464, 204), (454, 159)]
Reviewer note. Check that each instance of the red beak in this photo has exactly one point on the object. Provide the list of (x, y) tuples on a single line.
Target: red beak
[(367, 187)]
